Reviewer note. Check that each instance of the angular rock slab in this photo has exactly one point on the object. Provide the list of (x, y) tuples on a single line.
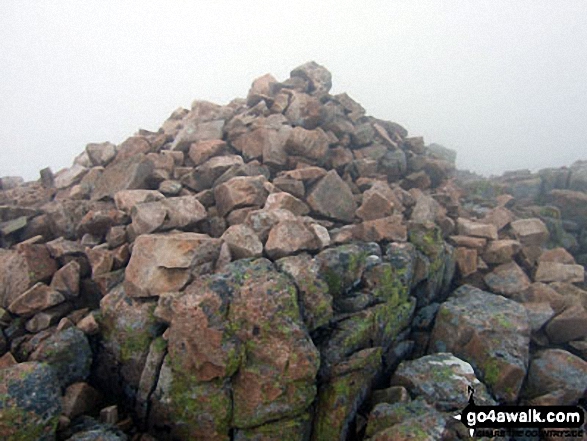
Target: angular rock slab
[(556, 377), (128, 327), (405, 421), (442, 380), (507, 279), (332, 198), (68, 353), (163, 263), (340, 398), (128, 174), (239, 354), (30, 402), (488, 331)]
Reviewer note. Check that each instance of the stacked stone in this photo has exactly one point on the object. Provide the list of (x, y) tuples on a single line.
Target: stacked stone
[(259, 270)]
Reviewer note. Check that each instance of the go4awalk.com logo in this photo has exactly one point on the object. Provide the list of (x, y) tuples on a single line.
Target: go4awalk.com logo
[(522, 421)]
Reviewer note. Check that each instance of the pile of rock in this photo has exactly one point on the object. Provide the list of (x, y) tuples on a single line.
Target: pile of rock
[(276, 267)]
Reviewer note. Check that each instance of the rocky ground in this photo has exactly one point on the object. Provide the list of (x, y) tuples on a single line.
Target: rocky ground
[(285, 267)]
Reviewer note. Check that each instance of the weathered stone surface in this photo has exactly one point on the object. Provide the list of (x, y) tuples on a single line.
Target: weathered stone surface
[(49, 317), (406, 421), (128, 327), (441, 379), (66, 280), (261, 89), (126, 199), (319, 78), (101, 153), (200, 152), (70, 176), (476, 229), (128, 174), (313, 290), (466, 259), (166, 262), (311, 144), (559, 272), (340, 207), (31, 402), (390, 228), (195, 130), (530, 231), (507, 279), (488, 331), (261, 221), (241, 191), (379, 201), (289, 237), (243, 242), (559, 255), (286, 201), (180, 212), (571, 293), (68, 353), (556, 377), (571, 324), (499, 216), (501, 251), (243, 327), (101, 261), (477, 243), (21, 270), (131, 147), (572, 205), (149, 376), (538, 314), (80, 398), (339, 399), (35, 299)]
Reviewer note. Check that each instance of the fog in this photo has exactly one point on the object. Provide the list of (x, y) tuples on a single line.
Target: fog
[(503, 83)]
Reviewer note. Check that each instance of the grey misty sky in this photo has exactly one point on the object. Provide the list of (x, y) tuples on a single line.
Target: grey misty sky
[(502, 82)]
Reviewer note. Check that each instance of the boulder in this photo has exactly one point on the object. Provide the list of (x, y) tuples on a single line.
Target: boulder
[(332, 198), (128, 327), (68, 353), (466, 259), (440, 379), (501, 251), (559, 272), (261, 89), (571, 324), (488, 331), (200, 152), (242, 241), (311, 144), (555, 378), (318, 77), (405, 421), (304, 110), (241, 191), (179, 212), (313, 290), (290, 237), (129, 174), (507, 279), (31, 402), (286, 201), (126, 199), (530, 231), (166, 262), (467, 227), (390, 228), (240, 327), (35, 299)]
